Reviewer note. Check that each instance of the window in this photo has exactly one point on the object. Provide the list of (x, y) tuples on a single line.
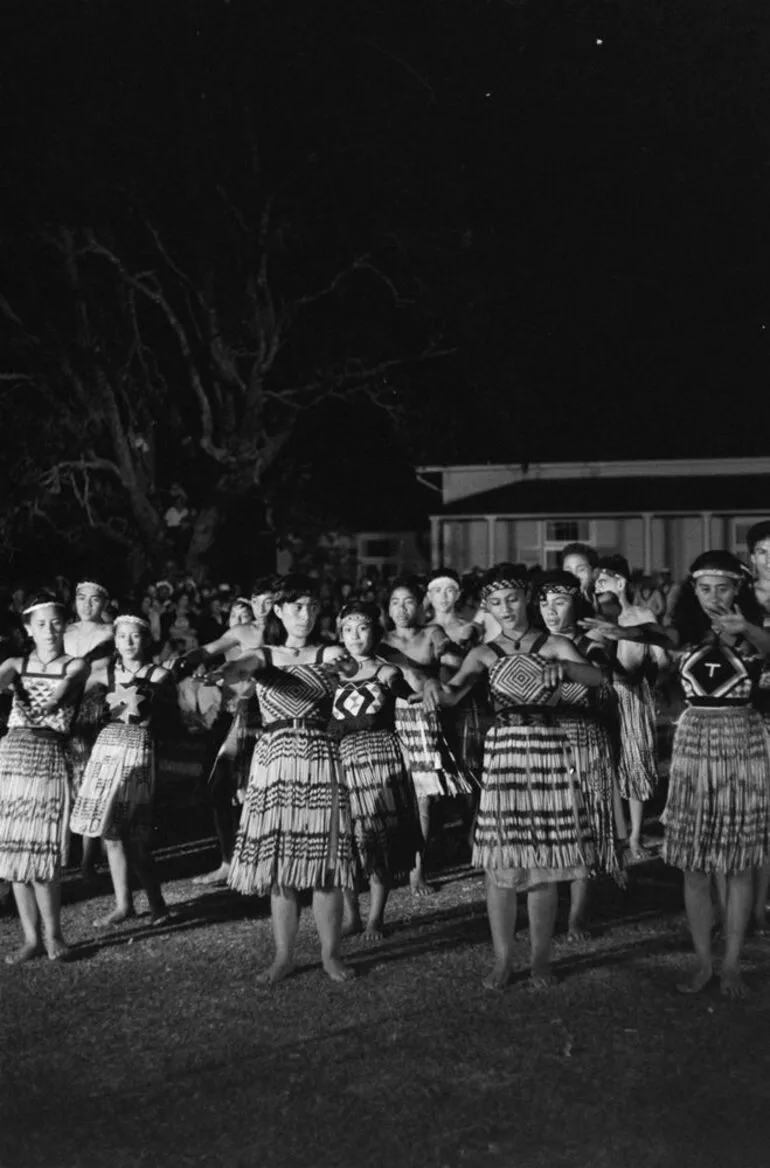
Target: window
[(563, 531)]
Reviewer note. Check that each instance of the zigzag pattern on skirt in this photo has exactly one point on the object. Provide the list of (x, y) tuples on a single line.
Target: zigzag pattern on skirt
[(637, 764), (116, 794), (593, 756), (386, 831)]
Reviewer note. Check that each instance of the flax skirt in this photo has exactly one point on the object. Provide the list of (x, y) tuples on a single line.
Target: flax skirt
[(34, 806)]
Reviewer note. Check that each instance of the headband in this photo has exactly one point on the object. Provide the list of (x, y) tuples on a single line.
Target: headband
[(129, 619), (519, 582), (725, 572), (92, 584), (558, 588), (442, 580), (41, 604)]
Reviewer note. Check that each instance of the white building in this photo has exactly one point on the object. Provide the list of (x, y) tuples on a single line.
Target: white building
[(658, 514)]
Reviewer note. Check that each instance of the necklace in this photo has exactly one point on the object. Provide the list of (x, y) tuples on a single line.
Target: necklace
[(516, 641)]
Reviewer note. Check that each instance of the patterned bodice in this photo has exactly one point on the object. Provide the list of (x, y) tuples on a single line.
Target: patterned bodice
[(715, 672), (363, 705), (31, 694), (518, 681), (129, 700), (295, 691)]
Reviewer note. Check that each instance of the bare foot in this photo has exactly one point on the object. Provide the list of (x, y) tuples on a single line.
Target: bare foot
[(418, 886), (57, 949), (637, 852), (281, 968), (336, 970), (498, 976), (373, 931), (731, 984), (351, 925), (541, 979), (26, 953), (116, 917), (698, 981), (212, 878), (576, 935)]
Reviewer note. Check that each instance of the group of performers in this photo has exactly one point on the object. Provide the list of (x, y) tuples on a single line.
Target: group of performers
[(535, 715)]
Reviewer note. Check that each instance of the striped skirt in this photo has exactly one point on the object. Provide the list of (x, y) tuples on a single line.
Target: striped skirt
[(34, 806), (594, 760), (85, 731), (233, 762), (116, 794), (433, 767), (532, 825), (386, 831), (465, 728), (717, 815), (295, 829), (637, 764)]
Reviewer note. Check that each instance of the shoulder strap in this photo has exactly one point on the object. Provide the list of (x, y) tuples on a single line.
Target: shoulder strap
[(498, 650), (319, 657), (24, 665), (539, 642), (268, 653)]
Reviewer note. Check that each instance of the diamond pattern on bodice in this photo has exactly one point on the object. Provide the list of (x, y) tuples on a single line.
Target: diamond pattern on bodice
[(38, 688), (715, 671), (362, 700), (296, 691), (518, 681)]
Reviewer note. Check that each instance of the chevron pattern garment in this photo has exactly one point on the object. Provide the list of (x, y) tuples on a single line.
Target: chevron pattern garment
[(433, 767), (532, 826), (295, 829), (34, 787), (717, 815)]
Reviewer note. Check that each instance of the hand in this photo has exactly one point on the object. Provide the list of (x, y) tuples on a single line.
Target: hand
[(732, 623), (553, 674), (605, 629), (431, 694), (609, 582)]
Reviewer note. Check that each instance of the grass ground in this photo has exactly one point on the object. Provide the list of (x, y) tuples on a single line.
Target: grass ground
[(156, 1048)]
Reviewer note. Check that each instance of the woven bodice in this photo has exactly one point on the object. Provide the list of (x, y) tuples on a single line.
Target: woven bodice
[(518, 681), (35, 689), (296, 691), (129, 700), (718, 672), (363, 705)]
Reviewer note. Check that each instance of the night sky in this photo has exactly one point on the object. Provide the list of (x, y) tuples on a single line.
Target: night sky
[(575, 195)]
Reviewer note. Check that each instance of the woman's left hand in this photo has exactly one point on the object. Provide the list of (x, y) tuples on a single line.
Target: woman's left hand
[(603, 628), (431, 694), (553, 674), (732, 623)]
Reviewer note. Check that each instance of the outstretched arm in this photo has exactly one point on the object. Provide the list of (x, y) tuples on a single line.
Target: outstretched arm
[(475, 664)]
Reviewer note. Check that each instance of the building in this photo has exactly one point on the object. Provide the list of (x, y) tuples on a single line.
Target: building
[(658, 514)]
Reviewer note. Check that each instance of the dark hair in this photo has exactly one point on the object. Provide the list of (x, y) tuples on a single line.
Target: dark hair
[(757, 533), (689, 619), (44, 596), (579, 549), (290, 589), (363, 608), (437, 573), (409, 584), (265, 584)]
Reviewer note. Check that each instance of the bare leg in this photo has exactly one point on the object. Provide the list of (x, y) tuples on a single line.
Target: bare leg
[(378, 896), (700, 917), (417, 876), (90, 854), (740, 892), (761, 886), (48, 897), (124, 908), (542, 903), (284, 911), (502, 907), (636, 810), (327, 910), (720, 888), (351, 914), (578, 904), (24, 895), (146, 870)]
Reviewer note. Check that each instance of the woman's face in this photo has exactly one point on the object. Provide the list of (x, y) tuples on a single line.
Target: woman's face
[(716, 594), (558, 611), (443, 594), (46, 627), (129, 642), (357, 636), (240, 614), (182, 604), (609, 582), (89, 602), (298, 617), (261, 606), (509, 607), (402, 608), (578, 565), (760, 559)]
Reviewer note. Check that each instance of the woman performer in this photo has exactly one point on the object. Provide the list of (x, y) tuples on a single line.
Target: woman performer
[(633, 667), (758, 543), (581, 561), (230, 773), (116, 795), (386, 831), (532, 829), (717, 815), (34, 789), (419, 651), (584, 712), (89, 637), (295, 829)]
